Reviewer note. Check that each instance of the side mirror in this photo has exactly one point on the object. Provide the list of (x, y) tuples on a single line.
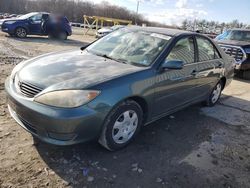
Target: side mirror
[(173, 64)]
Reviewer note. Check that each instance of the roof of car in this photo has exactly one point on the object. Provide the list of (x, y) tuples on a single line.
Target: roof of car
[(40, 12), (165, 31), (239, 29)]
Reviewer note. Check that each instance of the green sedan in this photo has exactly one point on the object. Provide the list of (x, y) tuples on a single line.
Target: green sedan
[(109, 89)]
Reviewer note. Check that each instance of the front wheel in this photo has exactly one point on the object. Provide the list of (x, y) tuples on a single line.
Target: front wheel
[(21, 32), (215, 94), (122, 125)]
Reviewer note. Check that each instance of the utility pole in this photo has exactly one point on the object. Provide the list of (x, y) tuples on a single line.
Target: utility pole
[(138, 2)]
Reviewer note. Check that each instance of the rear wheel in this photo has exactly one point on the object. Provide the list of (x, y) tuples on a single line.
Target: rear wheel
[(21, 32), (121, 125), (215, 94), (62, 35)]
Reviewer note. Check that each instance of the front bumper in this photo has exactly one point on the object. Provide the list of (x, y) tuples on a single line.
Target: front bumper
[(8, 28), (59, 126), (4, 29)]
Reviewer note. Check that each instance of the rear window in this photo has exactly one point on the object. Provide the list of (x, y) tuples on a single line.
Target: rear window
[(206, 49)]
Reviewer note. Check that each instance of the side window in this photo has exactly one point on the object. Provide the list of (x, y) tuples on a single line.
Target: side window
[(183, 50), (207, 51), (36, 18)]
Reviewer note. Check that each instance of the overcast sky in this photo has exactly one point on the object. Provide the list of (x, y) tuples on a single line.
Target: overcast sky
[(175, 11)]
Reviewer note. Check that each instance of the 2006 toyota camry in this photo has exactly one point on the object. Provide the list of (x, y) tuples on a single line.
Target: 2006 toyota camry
[(112, 87)]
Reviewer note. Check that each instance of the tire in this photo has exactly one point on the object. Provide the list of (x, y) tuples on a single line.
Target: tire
[(62, 35), (36, 141), (121, 125), (20, 32), (215, 94)]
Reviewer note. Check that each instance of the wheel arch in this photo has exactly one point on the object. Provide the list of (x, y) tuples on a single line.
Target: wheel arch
[(223, 80), (21, 26), (143, 104)]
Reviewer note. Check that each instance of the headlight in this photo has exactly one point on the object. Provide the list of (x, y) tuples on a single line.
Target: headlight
[(67, 98), (9, 22)]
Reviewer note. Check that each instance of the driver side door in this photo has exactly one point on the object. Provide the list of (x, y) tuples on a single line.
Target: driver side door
[(174, 87), (35, 24)]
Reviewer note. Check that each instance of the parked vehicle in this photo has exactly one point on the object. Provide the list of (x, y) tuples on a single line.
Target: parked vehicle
[(222, 35), (106, 30), (73, 24), (236, 43), (37, 23), (112, 87), (12, 16)]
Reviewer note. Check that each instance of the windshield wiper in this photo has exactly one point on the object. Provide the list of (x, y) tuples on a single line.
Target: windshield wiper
[(130, 62), (109, 57)]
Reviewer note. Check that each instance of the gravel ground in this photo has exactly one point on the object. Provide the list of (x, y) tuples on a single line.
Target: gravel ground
[(196, 147)]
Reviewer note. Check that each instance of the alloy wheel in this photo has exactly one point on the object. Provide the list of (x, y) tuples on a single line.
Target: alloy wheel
[(21, 32)]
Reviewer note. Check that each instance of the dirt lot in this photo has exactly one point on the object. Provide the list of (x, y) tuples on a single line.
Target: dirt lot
[(196, 147)]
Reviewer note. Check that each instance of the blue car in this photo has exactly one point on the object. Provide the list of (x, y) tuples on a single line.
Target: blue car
[(37, 23)]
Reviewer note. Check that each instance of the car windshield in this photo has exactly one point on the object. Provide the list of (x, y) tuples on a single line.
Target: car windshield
[(27, 15), (236, 35), (133, 47)]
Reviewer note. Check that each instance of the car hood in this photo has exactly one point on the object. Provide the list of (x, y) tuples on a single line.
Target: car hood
[(73, 69), (10, 19), (234, 42), (104, 30)]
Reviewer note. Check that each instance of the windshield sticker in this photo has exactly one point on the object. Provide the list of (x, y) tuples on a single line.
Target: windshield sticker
[(165, 37)]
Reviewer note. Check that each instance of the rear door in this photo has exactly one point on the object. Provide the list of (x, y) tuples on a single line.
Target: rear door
[(174, 87), (208, 67)]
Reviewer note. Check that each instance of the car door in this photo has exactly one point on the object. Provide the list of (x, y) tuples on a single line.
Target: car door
[(208, 67), (174, 87), (35, 24)]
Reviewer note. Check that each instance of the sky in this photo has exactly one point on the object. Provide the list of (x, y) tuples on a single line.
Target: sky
[(173, 12)]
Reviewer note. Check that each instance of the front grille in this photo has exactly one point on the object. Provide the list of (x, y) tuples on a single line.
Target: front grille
[(235, 51), (28, 89)]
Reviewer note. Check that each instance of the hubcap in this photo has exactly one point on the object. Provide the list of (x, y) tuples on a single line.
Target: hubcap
[(125, 127), (216, 93), (21, 32)]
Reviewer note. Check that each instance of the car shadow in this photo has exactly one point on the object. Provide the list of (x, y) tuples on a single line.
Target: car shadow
[(156, 157)]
